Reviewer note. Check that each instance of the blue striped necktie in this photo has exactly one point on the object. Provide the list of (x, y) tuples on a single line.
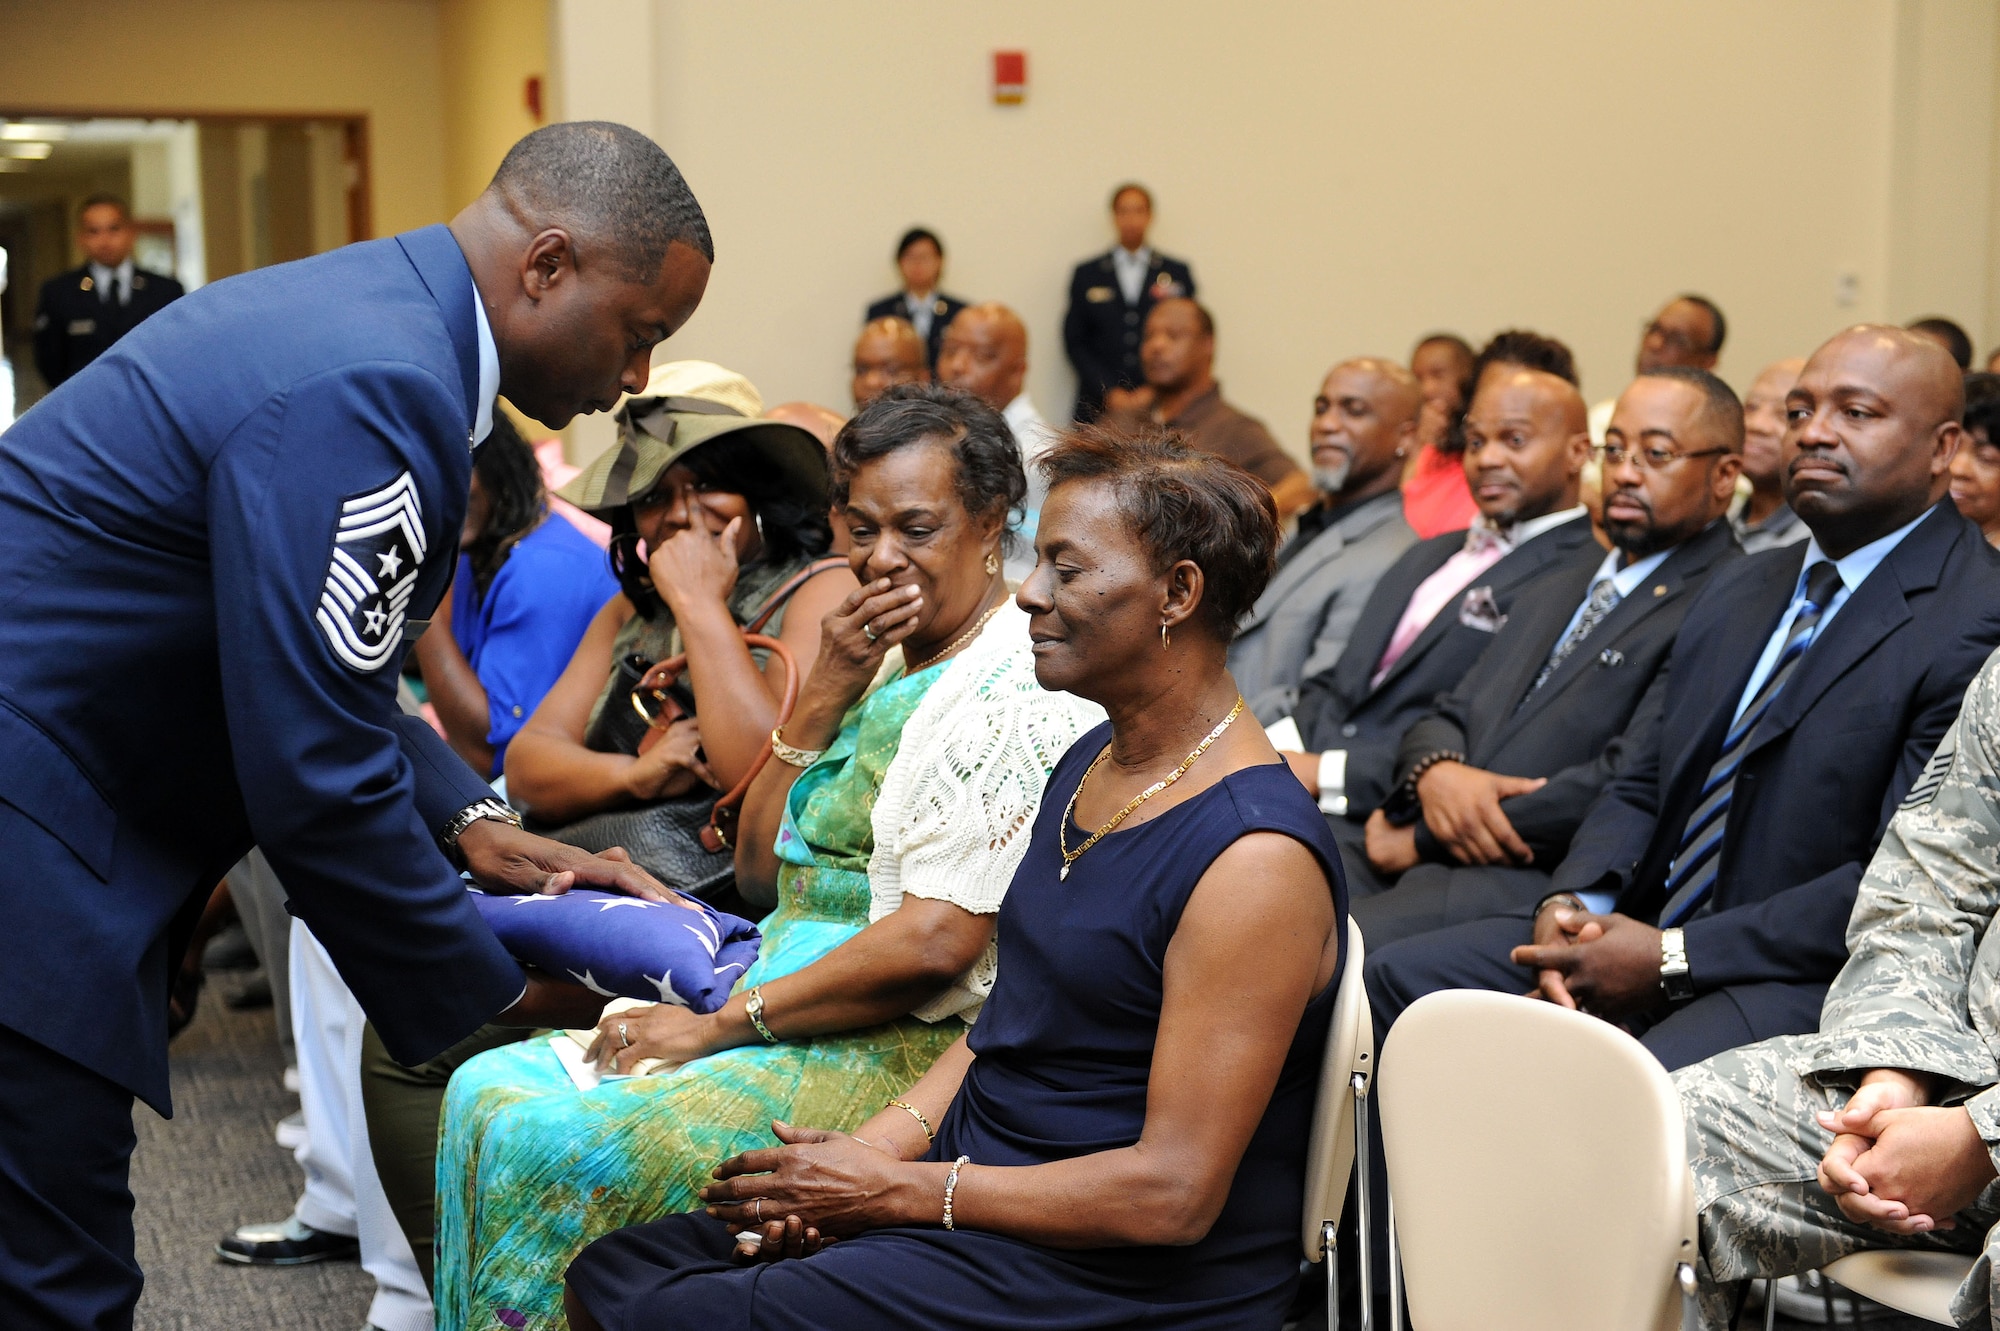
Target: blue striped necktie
[(1692, 880)]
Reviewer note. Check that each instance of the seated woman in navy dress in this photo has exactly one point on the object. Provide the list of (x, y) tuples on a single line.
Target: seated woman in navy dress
[(1121, 1138)]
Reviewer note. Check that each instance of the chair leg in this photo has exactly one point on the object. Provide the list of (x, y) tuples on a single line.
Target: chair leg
[(1329, 1239), (1363, 1209), (1395, 1273), (1826, 1293), (1770, 1305)]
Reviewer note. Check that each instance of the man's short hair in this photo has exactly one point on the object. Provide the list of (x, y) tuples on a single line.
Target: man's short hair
[(105, 201), (916, 234), (1721, 409), (607, 184), (1519, 346), (1715, 320), (1201, 314), (1452, 340), (1134, 187), (1954, 338)]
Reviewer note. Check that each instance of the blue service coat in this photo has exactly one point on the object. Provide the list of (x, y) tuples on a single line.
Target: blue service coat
[(212, 541)]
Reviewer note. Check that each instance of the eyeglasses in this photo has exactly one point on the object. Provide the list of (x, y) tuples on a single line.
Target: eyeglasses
[(1650, 459)]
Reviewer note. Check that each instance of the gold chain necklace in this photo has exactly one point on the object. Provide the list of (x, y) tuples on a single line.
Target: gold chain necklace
[(957, 643), (1069, 856)]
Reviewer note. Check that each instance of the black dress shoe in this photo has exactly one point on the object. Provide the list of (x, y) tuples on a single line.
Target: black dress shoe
[(287, 1243)]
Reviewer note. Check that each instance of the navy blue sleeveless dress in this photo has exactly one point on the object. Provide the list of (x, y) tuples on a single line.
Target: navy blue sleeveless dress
[(1065, 1046)]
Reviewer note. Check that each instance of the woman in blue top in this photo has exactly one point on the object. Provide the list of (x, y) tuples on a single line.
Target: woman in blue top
[(526, 589), (1120, 1140)]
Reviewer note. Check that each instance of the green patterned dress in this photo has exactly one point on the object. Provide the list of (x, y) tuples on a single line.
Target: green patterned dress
[(530, 1169)]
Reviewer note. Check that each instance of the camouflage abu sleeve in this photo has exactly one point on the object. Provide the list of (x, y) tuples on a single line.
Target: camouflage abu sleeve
[(1921, 958)]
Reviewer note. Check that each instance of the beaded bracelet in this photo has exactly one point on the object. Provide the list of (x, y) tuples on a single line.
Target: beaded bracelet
[(914, 1113), (791, 757), (951, 1186)]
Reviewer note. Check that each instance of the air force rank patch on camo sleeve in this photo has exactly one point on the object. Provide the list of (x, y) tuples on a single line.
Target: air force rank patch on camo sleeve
[(376, 555)]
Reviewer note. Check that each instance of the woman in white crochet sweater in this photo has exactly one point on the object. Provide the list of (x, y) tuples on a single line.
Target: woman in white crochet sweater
[(908, 779)]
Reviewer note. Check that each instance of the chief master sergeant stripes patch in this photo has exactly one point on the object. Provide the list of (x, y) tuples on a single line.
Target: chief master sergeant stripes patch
[(1925, 788), (377, 553)]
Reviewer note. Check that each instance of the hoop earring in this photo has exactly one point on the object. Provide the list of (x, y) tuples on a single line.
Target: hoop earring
[(1164, 639), (992, 563)]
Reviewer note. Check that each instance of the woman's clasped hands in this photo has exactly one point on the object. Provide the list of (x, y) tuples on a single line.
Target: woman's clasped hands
[(794, 1199)]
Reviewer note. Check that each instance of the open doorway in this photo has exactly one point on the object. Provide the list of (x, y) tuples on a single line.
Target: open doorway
[(210, 197)]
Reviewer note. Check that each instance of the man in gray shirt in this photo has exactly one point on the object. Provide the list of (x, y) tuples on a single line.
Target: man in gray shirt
[(1364, 424), (1764, 521)]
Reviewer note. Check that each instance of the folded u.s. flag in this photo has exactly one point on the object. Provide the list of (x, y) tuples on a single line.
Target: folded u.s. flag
[(623, 947)]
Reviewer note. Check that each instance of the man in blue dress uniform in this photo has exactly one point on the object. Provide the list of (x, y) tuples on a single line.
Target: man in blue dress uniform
[(214, 543)]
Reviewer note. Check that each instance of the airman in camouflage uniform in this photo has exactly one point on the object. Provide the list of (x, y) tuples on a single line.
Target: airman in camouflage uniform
[(1920, 992)]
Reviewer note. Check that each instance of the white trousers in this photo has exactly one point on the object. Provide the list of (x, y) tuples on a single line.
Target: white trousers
[(343, 1194)]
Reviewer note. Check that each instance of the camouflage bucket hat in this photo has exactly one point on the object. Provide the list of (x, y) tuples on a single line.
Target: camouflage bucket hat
[(688, 405)]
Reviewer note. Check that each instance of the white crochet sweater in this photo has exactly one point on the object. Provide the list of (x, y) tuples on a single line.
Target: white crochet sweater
[(958, 802)]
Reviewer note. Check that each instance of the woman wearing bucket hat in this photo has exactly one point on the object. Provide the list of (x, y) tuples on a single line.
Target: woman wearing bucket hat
[(888, 828), (718, 517)]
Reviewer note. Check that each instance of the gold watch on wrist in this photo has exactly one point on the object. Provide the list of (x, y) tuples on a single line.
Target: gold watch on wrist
[(1674, 978)]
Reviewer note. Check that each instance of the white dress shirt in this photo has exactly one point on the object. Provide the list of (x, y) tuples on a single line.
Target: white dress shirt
[(1035, 436), (489, 374), (1131, 266), (103, 276)]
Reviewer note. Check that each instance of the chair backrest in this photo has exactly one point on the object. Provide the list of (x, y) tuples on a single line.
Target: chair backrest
[(1350, 1049), (1537, 1169)]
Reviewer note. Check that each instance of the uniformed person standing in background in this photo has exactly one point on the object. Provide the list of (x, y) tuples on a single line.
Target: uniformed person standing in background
[(920, 258), (214, 544), (85, 310), (1109, 299)]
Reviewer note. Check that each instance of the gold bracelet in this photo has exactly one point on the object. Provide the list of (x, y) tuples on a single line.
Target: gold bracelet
[(753, 1008), (791, 757), (914, 1113)]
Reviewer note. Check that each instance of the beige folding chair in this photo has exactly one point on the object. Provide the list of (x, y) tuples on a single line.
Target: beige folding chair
[(1538, 1176), (1918, 1283), (1340, 1133)]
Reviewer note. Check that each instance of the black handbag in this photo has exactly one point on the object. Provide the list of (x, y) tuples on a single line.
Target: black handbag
[(681, 840)]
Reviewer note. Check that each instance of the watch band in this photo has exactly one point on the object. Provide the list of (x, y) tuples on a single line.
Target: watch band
[(1674, 977), (466, 817)]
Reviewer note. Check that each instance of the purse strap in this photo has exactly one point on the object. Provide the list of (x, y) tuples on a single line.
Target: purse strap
[(717, 836), (790, 585)]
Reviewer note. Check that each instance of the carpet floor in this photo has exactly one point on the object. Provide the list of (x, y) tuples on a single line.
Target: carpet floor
[(214, 1167)]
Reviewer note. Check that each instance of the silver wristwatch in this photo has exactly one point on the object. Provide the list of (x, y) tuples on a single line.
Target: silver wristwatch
[(1674, 977), (466, 817)]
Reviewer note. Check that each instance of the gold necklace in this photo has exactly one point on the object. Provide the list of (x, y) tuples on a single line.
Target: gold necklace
[(1069, 856), (957, 643)]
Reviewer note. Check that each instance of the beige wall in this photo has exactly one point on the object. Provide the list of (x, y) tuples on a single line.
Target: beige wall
[(489, 50), (1344, 177), (378, 58)]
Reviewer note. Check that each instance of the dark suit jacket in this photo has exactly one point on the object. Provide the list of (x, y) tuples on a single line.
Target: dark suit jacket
[(944, 309), (1101, 332), (1576, 729), (1826, 767), (1339, 710), (73, 327), (266, 479)]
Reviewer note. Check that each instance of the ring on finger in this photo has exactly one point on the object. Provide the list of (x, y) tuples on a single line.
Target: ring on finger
[(868, 631), (624, 1039), (758, 1210)]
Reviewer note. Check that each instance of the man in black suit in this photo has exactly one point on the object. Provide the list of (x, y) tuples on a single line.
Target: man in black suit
[(1109, 299), (920, 257), (1438, 607), (85, 310), (1705, 898), (1492, 784)]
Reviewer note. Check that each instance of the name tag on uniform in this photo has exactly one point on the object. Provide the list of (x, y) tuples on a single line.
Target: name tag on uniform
[(1098, 295), (82, 327)]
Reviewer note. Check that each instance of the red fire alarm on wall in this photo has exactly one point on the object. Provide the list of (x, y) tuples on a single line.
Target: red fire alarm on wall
[(1010, 77)]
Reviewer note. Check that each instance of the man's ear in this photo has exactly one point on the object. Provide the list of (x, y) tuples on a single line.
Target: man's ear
[(549, 260), (1945, 443)]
